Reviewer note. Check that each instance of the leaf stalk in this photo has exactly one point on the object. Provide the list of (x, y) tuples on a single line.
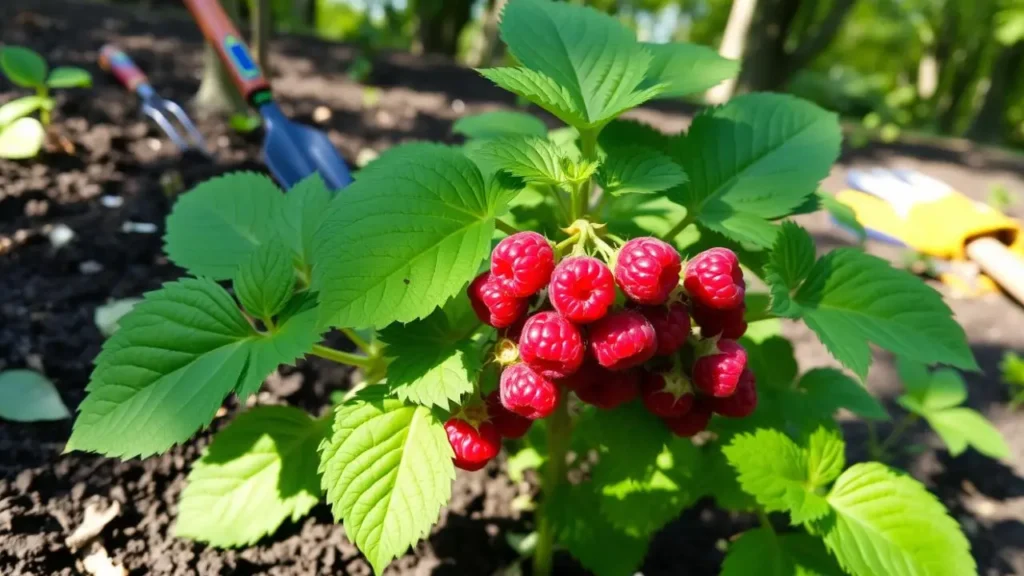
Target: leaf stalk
[(559, 436)]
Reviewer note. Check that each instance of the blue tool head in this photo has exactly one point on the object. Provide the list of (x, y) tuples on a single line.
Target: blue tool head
[(293, 151)]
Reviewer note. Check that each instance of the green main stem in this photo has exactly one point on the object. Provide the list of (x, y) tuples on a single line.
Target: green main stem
[(342, 357), (581, 200), (671, 234), (559, 436)]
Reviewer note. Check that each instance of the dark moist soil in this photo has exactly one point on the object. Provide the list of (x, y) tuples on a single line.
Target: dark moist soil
[(101, 147)]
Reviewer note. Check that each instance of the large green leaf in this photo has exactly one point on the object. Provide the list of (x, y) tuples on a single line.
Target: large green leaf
[(687, 68), (754, 160), (499, 123), (164, 373), (305, 205), (849, 298), (405, 237), (886, 523), (21, 139), (591, 54), (765, 553), (539, 89), (829, 389), (387, 469), (23, 67), (265, 280), (69, 77), (963, 427), (265, 460), (27, 396), (535, 159), (638, 170), (598, 545), (215, 226)]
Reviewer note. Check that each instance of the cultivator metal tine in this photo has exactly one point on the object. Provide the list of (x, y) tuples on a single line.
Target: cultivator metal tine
[(164, 112), (190, 128), (165, 124)]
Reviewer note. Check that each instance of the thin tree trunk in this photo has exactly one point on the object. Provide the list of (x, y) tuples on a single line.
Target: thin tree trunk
[(989, 123), (440, 23), (765, 58), (733, 41), (487, 49), (216, 94)]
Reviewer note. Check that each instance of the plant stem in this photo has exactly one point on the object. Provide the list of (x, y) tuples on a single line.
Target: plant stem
[(671, 234), (342, 357), (44, 112), (559, 436), (505, 227), (562, 208), (588, 147), (570, 241), (902, 426), (766, 522), (358, 340)]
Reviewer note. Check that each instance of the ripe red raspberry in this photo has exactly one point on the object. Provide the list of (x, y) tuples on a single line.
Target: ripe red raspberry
[(725, 323), (666, 394), (507, 423), (551, 345), (742, 402), (671, 326), (714, 279), (492, 304), (603, 388), (622, 340), (647, 270), (522, 263), (694, 421), (582, 289), (474, 446), (527, 393), (718, 372)]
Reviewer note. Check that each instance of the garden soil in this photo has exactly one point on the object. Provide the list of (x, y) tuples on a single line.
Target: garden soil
[(108, 170)]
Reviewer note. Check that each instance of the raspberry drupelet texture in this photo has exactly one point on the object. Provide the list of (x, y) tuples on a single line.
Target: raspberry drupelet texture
[(601, 387), (692, 422), (507, 423), (714, 279), (522, 263), (551, 345), (473, 446), (582, 289), (666, 394), (527, 393), (622, 340), (743, 401), (725, 323), (647, 270), (671, 326), (718, 373), (492, 304)]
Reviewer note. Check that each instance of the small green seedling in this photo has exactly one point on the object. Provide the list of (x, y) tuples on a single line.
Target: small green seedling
[(20, 135), (1011, 369)]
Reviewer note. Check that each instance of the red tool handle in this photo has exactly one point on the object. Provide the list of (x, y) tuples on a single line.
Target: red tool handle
[(113, 60), (224, 37)]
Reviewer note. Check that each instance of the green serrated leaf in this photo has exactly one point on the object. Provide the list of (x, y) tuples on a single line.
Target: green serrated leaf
[(826, 457), (792, 258), (499, 123), (928, 392), (28, 396), (265, 280), (535, 159), (405, 237), (638, 170), (539, 89), (850, 298), (387, 469), (305, 206), (22, 107), (294, 337), (434, 362), (598, 545), (622, 133), (762, 552), (265, 460), (829, 390), (686, 69), (591, 54), (23, 67), (215, 226), (772, 361), (963, 427), (754, 160), (843, 215), (884, 523), (69, 77), (22, 139)]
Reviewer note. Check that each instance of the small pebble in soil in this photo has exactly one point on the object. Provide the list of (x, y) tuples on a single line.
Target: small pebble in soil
[(321, 114), (90, 267), (110, 201), (365, 156), (138, 227), (61, 235), (458, 106)]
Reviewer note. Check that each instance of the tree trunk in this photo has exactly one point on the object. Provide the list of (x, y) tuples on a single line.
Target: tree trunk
[(733, 41), (440, 23), (216, 94), (989, 123), (487, 48)]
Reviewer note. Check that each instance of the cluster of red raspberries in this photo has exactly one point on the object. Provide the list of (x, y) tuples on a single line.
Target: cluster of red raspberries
[(579, 339)]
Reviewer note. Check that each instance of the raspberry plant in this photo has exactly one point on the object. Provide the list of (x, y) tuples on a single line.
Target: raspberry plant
[(578, 295)]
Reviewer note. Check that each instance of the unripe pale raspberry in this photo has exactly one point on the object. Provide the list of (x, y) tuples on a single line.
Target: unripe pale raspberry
[(671, 326), (647, 270), (622, 340), (714, 279), (507, 423), (582, 289), (666, 394), (743, 401), (473, 446), (725, 323), (492, 304), (522, 263), (527, 393), (551, 345), (601, 387), (692, 422), (718, 372)]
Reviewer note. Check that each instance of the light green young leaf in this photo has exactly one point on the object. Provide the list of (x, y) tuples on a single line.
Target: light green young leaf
[(22, 66), (638, 170), (535, 159), (591, 54), (434, 362), (387, 469), (850, 298), (22, 107), (499, 123), (215, 226), (686, 68), (963, 427), (265, 460), (27, 396), (762, 552), (753, 160), (265, 280), (539, 89), (305, 205), (928, 392), (69, 77), (829, 390), (826, 457), (166, 371), (884, 523), (405, 237), (22, 139)]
